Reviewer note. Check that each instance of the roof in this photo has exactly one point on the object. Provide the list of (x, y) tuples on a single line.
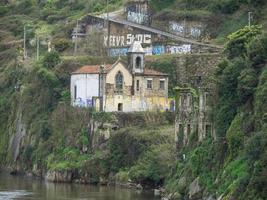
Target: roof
[(136, 47), (151, 72), (92, 69)]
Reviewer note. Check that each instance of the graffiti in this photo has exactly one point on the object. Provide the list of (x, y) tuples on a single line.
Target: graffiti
[(137, 17), (120, 41), (118, 52), (158, 50), (123, 51), (195, 32), (175, 27), (79, 102), (179, 49), (185, 29), (148, 50)]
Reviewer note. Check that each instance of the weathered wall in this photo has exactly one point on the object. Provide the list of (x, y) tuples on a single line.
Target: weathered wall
[(87, 87)]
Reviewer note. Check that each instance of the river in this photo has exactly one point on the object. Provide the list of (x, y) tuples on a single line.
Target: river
[(23, 188)]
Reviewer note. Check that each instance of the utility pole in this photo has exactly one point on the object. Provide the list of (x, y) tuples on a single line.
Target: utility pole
[(249, 18), (108, 28), (24, 44), (76, 38)]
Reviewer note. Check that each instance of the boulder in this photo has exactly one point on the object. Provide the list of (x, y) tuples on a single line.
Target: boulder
[(59, 176), (195, 190)]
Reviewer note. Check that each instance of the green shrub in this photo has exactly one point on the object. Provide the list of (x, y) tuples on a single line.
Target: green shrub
[(154, 165), (235, 136), (51, 59)]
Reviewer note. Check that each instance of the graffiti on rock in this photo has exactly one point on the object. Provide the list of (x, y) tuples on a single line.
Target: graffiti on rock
[(118, 52)]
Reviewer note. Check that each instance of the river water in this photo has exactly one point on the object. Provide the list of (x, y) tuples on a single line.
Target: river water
[(21, 188)]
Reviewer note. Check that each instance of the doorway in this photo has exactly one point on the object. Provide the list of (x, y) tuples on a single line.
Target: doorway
[(120, 107)]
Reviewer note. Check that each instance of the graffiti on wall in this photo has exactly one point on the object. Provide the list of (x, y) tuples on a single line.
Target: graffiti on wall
[(120, 41), (186, 48), (195, 32), (118, 52), (177, 28), (183, 29), (158, 50), (79, 102), (137, 17)]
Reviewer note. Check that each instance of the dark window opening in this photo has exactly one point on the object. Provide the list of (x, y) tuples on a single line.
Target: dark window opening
[(188, 129), (75, 92), (119, 81), (137, 85), (149, 84), (162, 85), (138, 62), (208, 130), (120, 107), (208, 100)]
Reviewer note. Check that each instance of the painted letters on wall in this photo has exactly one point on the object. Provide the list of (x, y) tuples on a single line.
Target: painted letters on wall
[(186, 29), (121, 41), (137, 17), (186, 48)]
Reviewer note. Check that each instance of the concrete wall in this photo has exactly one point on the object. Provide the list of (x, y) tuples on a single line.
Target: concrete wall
[(87, 87)]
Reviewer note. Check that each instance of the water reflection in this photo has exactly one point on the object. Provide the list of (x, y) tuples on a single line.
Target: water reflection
[(21, 188)]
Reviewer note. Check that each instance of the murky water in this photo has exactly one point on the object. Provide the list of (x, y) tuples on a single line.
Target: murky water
[(14, 187)]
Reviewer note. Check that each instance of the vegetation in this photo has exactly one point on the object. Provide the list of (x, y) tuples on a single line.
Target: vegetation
[(35, 97)]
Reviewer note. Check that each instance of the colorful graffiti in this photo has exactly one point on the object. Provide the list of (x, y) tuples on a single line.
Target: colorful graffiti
[(79, 102), (158, 50), (120, 41), (117, 52)]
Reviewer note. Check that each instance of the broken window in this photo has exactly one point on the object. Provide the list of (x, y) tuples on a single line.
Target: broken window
[(149, 84), (119, 81), (138, 62), (75, 92), (137, 85), (162, 85)]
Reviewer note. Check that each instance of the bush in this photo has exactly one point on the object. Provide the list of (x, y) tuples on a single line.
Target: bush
[(51, 59), (61, 44), (154, 165), (235, 136), (247, 82)]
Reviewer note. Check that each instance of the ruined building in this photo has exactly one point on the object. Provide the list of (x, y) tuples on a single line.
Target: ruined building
[(195, 97), (121, 86)]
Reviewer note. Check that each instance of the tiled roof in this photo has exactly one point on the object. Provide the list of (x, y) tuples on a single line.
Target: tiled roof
[(152, 72), (92, 69)]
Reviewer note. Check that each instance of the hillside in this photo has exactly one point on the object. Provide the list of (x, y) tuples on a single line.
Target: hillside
[(41, 134)]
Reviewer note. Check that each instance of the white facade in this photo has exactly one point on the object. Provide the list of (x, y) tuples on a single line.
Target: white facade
[(84, 87)]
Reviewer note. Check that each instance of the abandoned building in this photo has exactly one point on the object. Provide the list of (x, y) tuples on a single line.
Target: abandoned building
[(193, 115), (120, 86), (138, 11)]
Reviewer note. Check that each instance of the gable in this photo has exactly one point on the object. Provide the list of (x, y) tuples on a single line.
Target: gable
[(127, 77)]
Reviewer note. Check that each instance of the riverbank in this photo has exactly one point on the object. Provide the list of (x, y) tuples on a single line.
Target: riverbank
[(12, 187)]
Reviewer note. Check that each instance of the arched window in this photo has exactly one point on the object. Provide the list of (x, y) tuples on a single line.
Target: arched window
[(119, 81), (138, 62)]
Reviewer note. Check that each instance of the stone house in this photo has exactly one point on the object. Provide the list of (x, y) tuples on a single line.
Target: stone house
[(193, 115), (121, 86)]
